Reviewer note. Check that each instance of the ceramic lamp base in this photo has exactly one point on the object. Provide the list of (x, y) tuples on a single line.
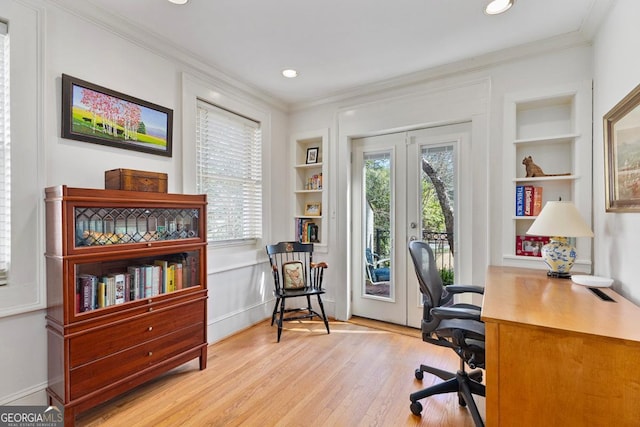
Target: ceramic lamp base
[(559, 256)]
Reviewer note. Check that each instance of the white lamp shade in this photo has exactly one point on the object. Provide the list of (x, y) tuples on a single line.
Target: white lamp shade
[(560, 219)]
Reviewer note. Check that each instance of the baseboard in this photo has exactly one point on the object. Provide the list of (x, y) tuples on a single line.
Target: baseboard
[(35, 395), (232, 323)]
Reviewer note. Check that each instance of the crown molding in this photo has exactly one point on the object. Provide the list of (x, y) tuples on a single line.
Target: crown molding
[(163, 47), (452, 69)]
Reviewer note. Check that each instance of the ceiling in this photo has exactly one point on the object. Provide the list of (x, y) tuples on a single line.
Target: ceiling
[(340, 46)]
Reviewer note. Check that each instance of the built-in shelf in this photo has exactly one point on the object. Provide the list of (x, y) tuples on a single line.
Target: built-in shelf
[(553, 126), (309, 188)]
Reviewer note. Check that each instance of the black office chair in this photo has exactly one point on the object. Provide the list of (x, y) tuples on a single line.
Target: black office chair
[(457, 326), (295, 275)]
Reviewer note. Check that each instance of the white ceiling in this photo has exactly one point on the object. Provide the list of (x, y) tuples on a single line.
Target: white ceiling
[(342, 45)]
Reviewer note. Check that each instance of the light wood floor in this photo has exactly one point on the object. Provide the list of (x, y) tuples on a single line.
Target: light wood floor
[(356, 376)]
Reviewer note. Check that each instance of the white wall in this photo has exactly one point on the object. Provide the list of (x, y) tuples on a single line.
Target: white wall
[(239, 295), (616, 73)]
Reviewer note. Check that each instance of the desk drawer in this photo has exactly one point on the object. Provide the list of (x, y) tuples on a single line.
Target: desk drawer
[(106, 340), (101, 373)]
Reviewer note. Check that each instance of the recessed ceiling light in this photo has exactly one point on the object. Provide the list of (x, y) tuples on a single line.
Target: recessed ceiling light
[(290, 73), (496, 7), (179, 1)]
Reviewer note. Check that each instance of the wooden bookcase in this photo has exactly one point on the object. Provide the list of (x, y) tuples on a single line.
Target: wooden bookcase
[(310, 188), (99, 347), (552, 126)]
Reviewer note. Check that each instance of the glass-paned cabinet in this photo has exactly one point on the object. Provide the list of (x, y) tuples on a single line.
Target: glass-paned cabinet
[(126, 290)]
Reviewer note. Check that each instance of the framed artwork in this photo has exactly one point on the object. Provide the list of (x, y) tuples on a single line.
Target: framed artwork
[(95, 114), (530, 245), (293, 275), (312, 155), (313, 209), (622, 154)]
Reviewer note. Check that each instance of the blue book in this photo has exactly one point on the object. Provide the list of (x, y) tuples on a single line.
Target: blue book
[(520, 200)]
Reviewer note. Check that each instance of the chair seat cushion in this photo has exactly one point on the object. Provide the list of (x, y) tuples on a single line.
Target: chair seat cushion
[(472, 329)]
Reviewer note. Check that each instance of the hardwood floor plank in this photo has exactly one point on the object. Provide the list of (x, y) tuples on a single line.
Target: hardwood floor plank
[(356, 376)]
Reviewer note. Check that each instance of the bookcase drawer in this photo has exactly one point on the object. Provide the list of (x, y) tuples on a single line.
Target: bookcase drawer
[(106, 340), (109, 370)]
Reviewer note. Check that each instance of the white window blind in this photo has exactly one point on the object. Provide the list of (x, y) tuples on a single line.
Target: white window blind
[(229, 172), (5, 160)]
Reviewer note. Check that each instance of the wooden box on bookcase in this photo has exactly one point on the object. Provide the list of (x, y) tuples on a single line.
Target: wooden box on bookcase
[(107, 336)]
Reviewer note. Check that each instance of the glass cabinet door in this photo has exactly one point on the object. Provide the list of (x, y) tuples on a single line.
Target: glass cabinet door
[(99, 226)]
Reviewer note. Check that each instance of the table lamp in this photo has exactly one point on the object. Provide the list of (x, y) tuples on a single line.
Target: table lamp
[(559, 221)]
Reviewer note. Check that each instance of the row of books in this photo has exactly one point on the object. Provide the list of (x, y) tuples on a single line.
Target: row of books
[(314, 182), (139, 281), (528, 200), (306, 231)]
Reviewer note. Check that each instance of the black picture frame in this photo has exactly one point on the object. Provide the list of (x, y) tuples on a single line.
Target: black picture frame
[(98, 115), (312, 155)]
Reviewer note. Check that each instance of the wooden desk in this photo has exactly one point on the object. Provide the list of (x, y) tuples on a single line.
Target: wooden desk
[(558, 355)]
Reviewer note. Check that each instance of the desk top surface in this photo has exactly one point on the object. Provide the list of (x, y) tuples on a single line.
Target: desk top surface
[(529, 297)]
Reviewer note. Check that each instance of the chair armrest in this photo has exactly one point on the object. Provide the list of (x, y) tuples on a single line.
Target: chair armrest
[(455, 313), (319, 265), (461, 289)]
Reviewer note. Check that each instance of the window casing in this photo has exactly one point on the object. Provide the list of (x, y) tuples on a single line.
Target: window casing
[(5, 158), (229, 171)]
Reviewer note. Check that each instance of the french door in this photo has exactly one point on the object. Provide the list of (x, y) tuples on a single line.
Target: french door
[(394, 200)]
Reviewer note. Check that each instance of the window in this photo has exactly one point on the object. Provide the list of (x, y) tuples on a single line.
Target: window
[(229, 171), (5, 161)]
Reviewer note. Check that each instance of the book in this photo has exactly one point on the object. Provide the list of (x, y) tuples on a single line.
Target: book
[(520, 200), (118, 288), (156, 278), (537, 201), (102, 294), (528, 200), (87, 289), (148, 280), (163, 264), (134, 287), (171, 271), (178, 275)]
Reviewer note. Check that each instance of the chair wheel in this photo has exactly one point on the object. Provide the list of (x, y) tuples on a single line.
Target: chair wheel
[(461, 401), (419, 374), (416, 408)]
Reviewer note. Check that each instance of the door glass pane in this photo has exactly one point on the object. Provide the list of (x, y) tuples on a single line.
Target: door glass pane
[(437, 206), (377, 222)]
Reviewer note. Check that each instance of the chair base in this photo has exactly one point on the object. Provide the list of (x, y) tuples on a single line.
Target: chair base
[(466, 384), (309, 313)]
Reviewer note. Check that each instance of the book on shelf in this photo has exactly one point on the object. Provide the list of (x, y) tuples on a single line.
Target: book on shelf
[(102, 294), (134, 287), (306, 231), (178, 275), (171, 274), (87, 290), (163, 276), (118, 288), (528, 200), (530, 245)]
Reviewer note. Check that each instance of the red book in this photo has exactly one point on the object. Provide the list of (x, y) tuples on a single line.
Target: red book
[(528, 200)]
